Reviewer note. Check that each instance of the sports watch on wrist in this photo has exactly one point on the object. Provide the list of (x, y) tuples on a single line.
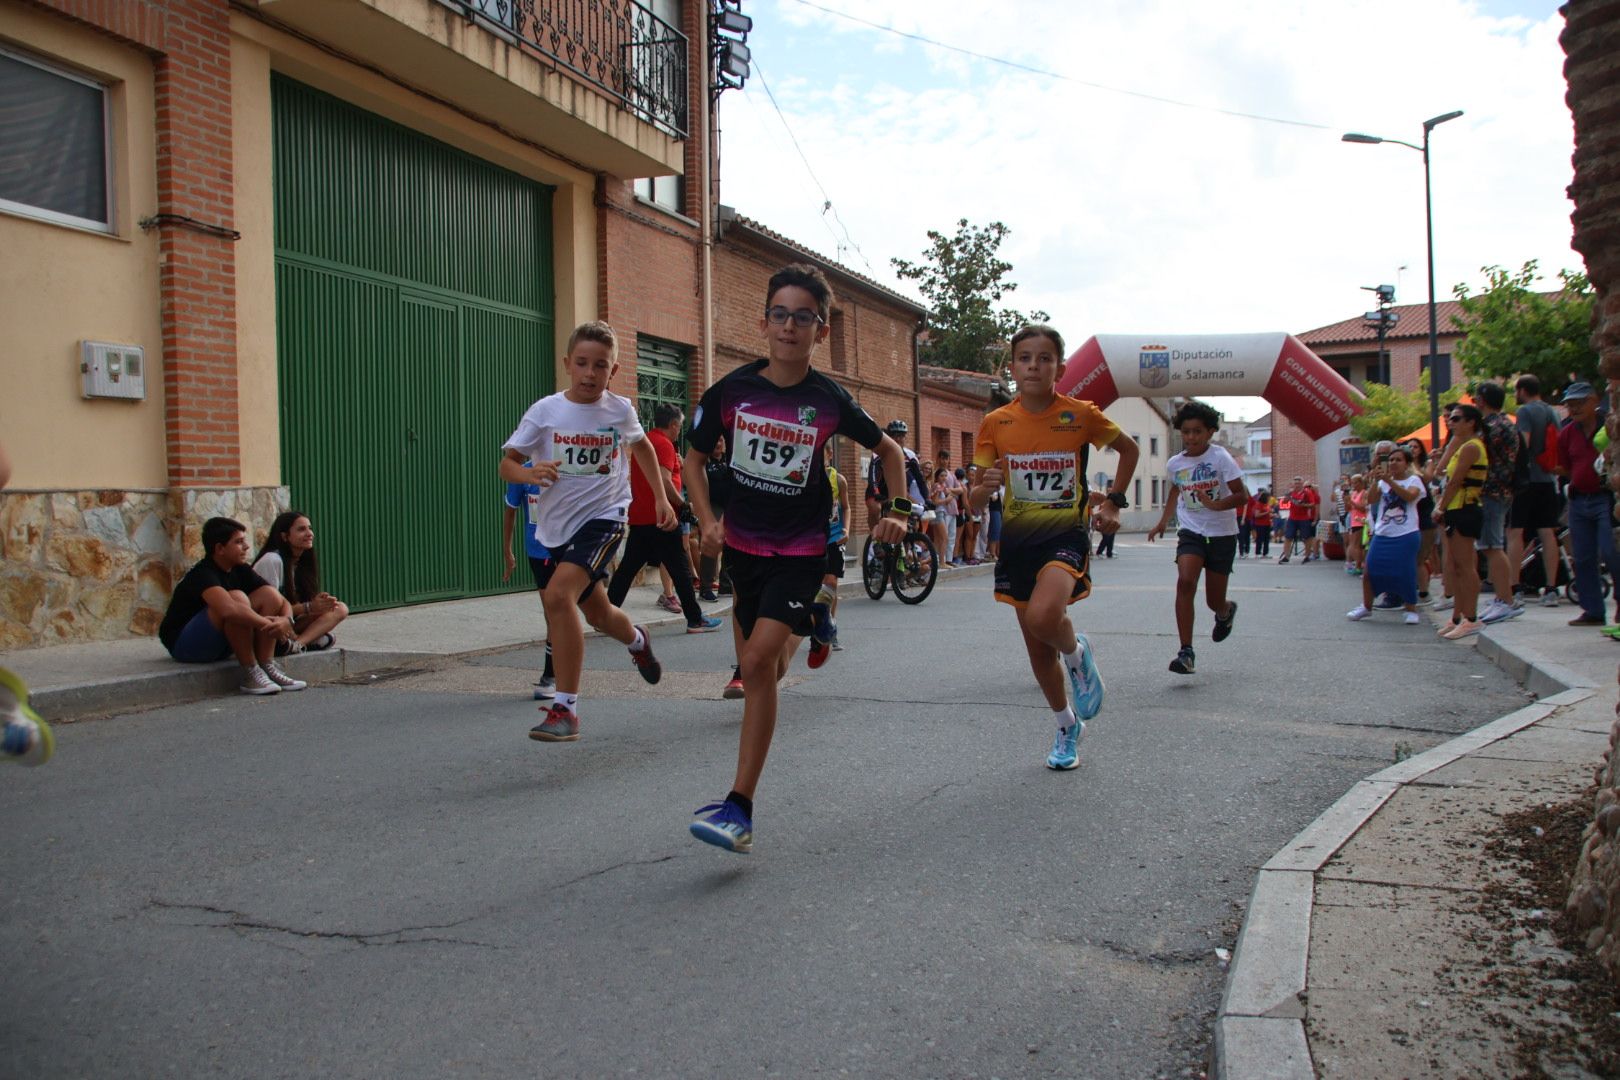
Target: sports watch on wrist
[(900, 505), (1118, 499)]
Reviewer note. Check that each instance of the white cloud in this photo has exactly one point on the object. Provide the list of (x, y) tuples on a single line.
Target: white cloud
[(1134, 215)]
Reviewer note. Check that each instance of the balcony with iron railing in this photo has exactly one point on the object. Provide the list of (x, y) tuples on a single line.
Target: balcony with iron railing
[(617, 46), (605, 83)]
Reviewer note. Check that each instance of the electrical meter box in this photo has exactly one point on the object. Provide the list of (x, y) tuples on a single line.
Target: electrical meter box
[(113, 371)]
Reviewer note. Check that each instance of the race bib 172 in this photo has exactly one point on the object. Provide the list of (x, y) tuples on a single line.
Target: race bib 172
[(772, 450), (1042, 478), (584, 453)]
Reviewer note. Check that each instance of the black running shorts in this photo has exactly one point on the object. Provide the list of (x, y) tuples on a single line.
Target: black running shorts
[(1018, 567), (835, 559), (780, 587), (1216, 551), (592, 547)]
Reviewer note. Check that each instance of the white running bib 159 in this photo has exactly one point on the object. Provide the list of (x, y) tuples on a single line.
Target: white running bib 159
[(772, 450)]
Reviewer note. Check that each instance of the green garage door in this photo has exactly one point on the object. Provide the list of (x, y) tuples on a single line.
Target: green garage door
[(414, 325)]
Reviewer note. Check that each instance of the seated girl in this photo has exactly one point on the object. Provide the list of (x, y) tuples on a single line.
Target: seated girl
[(288, 563)]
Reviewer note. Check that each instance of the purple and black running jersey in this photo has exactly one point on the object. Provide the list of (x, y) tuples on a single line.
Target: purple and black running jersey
[(780, 499)]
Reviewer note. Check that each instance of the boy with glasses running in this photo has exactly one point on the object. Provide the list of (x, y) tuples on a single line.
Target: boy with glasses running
[(777, 414)]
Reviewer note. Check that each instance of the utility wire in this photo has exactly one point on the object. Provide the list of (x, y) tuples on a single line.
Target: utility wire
[(1059, 75), (826, 200)]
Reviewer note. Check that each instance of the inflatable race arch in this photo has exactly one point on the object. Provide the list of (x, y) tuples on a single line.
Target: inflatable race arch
[(1277, 367)]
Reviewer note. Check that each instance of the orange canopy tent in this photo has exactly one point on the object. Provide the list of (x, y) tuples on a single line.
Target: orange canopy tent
[(1422, 434)]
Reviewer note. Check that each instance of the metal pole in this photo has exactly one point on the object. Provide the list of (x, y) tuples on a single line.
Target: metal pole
[(1434, 330)]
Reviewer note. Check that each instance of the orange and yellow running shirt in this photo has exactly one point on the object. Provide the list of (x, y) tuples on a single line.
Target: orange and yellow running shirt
[(1044, 489)]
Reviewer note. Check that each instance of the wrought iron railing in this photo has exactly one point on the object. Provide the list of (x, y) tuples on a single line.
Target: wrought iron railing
[(617, 46)]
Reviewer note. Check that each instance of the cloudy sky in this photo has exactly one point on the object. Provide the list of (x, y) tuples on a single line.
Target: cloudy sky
[(1131, 215)]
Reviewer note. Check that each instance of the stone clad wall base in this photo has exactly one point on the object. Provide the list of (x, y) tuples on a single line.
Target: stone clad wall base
[(98, 565)]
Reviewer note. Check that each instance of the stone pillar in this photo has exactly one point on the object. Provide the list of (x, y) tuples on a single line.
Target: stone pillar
[(1591, 41)]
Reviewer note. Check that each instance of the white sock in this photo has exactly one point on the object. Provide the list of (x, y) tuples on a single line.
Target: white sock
[(567, 701), (1072, 658), (1064, 717), (640, 642)]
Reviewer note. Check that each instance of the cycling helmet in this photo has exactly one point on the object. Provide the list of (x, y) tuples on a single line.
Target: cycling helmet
[(897, 427)]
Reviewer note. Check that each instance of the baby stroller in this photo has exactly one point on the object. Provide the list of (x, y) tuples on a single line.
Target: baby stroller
[(1533, 571)]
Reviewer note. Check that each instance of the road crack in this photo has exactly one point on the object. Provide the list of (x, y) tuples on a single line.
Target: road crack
[(610, 869), (243, 924)]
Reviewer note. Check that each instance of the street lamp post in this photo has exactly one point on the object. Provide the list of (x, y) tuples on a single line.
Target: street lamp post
[(1428, 214)]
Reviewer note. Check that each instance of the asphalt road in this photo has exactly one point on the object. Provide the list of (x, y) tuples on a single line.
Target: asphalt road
[(391, 880)]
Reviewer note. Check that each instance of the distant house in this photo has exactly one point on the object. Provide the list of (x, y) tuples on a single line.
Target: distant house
[(1350, 347), (1257, 453)]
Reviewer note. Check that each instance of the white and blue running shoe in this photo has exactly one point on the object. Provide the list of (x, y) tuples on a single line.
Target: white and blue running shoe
[(1066, 747), (1085, 684), (727, 827)]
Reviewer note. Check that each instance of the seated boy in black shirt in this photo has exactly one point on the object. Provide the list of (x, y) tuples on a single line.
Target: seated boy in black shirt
[(222, 607)]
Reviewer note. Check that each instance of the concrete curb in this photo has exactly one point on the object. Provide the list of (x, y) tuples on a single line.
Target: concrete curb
[(181, 683), (1260, 1026)]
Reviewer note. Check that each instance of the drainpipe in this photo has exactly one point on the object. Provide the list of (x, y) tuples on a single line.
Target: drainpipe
[(706, 201)]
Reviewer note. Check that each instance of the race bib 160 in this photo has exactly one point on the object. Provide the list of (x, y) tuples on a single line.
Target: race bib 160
[(584, 453)]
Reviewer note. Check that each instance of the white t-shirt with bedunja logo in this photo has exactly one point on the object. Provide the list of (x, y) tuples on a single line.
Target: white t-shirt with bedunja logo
[(1212, 471), (590, 444)]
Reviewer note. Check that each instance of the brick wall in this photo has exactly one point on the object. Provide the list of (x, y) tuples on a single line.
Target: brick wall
[(190, 41), (958, 418), (650, 278)]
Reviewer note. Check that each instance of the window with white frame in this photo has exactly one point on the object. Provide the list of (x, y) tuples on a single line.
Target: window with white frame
[(54, 154), (664, 191)]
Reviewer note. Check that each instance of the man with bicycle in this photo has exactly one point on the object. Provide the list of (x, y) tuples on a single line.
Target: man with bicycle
[(877, 486)]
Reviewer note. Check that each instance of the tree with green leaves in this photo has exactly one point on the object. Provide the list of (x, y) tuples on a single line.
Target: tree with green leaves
[(1512, 329), (963, 280), (1388, 413)]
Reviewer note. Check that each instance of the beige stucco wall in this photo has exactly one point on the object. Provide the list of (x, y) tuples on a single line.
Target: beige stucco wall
[(255, 264), (573, 210), (60, 285)]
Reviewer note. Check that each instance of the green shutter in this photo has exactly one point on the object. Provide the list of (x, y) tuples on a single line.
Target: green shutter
[(414, 314), (661, 377)]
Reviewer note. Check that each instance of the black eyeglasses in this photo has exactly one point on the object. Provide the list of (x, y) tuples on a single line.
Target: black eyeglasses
[(1456, 419), (778, 316)]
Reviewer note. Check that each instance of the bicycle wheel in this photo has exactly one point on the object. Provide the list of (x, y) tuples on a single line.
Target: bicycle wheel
[(913, 584), (875, 569)]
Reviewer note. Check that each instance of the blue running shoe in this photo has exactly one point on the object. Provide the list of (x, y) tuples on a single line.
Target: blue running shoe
[(822, 627), (705, 625), (1066, 747), (1085, 685), (727, 827)]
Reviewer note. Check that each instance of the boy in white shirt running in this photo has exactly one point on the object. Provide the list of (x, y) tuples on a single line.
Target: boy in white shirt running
[(577, 442), (1206, 488)]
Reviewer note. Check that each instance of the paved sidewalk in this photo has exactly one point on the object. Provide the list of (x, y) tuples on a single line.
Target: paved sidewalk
[(1360, 954), (70, 682)]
